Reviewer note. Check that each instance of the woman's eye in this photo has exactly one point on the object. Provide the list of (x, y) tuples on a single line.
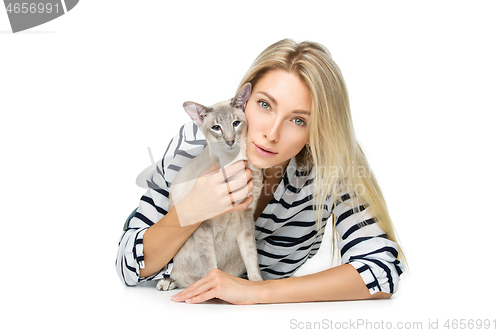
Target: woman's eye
[(236, 123), (216, 128), (264, 105), (299, 122)]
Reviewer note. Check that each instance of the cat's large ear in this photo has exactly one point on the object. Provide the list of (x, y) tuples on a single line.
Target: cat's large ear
[(196, 111), (241, 98)]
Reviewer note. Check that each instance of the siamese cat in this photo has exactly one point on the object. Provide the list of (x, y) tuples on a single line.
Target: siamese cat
[(228, 241)]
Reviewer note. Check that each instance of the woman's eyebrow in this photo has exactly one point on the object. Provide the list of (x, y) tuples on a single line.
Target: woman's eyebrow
[(268, 96), (302, 112), (276, 103)]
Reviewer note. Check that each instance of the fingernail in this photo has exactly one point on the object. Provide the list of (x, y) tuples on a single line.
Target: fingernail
[(188, 300)]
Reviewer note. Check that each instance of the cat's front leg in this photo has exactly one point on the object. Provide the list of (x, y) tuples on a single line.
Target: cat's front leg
[(166, 284), (248, 249), (204, 239)]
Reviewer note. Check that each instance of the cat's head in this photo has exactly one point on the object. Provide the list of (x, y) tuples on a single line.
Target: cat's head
[(224, 122)]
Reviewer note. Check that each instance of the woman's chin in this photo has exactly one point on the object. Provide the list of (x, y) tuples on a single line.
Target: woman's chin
[(257, 162)]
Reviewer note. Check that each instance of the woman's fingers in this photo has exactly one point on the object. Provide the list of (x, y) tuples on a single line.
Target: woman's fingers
[(215, 193), (200, 294), (218, 284), (192, 291), (200, 287), (236, 181), (234, 168), (240, 181), (243, 193), (225, 173), (202, 297), (244, 204), (238, 196)]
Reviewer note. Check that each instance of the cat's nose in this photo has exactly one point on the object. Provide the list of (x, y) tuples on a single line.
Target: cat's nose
[(230, 143)]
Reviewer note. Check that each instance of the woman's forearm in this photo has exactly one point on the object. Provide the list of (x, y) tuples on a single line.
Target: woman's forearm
[(162, 241), (334, 284)]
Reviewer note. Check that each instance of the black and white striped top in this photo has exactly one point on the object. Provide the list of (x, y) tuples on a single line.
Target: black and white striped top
[(285, 232)]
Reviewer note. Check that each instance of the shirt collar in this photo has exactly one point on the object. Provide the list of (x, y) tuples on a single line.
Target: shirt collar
[(294, 179)]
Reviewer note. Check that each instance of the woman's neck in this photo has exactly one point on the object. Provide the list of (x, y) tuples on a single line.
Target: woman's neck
[(272, 178), (274, 174)]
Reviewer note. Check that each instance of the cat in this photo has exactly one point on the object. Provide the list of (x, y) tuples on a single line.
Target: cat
[(228, 241)]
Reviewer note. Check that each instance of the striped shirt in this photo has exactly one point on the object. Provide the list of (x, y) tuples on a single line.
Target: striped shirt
[(285, 232)]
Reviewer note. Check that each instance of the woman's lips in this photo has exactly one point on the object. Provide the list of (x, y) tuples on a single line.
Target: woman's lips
[(263, 151)]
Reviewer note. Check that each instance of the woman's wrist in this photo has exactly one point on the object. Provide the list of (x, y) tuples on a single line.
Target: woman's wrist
[(264, 292)]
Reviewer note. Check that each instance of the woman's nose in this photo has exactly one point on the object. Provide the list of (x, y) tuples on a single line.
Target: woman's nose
[(272, 132)]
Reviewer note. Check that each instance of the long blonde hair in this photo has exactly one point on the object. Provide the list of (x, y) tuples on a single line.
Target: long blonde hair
[(340, 165)]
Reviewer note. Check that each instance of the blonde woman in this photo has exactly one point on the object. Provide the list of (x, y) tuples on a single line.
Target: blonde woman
[(300, 132)]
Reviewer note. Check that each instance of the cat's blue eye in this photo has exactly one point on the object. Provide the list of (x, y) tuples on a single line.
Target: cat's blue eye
[(299, 122), (264, 104), (216, 128), (236, 123)]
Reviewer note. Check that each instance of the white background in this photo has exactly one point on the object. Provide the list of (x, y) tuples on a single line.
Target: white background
[(83, 96)]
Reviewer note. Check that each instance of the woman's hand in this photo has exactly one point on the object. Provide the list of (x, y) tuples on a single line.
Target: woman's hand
[(217, 192), (218, 284)]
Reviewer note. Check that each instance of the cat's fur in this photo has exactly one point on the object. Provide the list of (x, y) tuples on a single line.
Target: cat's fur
[(228, 241)]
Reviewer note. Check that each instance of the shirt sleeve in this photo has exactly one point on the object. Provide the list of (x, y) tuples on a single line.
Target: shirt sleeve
[(153, 205), (365, 246)]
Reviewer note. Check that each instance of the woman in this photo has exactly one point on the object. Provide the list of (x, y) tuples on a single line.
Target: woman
[(300, 132)]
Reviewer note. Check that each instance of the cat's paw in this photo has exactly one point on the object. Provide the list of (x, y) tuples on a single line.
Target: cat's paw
[(166, 284), (255, 277)]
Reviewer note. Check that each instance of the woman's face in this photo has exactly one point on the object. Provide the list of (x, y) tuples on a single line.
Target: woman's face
[(278, 113)]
